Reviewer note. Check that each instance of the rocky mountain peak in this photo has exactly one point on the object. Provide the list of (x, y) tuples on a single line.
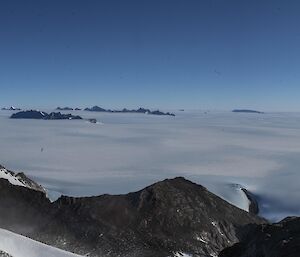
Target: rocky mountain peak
[(168, 217)]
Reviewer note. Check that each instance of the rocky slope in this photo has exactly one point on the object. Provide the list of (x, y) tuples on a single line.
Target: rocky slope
[(280, 239), (165, 218)]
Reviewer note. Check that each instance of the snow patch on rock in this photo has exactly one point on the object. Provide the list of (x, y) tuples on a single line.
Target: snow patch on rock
[(5, 174)]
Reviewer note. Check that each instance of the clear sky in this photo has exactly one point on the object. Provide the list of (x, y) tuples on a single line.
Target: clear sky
[(210, 54)]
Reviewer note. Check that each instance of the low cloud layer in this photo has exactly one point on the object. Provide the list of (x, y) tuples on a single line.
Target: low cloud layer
[(126, 152)]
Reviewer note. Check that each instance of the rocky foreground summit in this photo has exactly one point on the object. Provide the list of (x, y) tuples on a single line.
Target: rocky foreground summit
[(167, 218)]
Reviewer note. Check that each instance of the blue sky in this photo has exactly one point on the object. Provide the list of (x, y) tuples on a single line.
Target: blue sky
[(211, 54)]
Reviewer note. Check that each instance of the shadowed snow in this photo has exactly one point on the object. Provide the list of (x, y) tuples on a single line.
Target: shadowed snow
[(20, 246)]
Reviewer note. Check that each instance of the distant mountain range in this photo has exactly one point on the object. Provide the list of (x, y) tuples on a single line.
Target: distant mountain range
[(67, 109), (40, 115), (100, 109), (64, 109), (12, 108), (247, 111), (33, 114), (93, 109), (124, 110), (140, 110)]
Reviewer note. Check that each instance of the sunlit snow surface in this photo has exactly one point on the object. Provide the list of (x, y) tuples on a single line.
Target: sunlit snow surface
[(126, 152), (19, 246)]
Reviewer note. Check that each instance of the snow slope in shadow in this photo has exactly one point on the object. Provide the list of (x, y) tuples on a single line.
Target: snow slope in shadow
[(20, 246)]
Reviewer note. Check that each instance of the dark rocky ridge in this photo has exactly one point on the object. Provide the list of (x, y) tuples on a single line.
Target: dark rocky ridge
[(280, 239), (173, 215), (246, 111), (140, 110), (33, 114), (64, 109)]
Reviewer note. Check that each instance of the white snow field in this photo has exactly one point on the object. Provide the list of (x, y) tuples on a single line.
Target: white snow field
[(20, 246), (126, 152)]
